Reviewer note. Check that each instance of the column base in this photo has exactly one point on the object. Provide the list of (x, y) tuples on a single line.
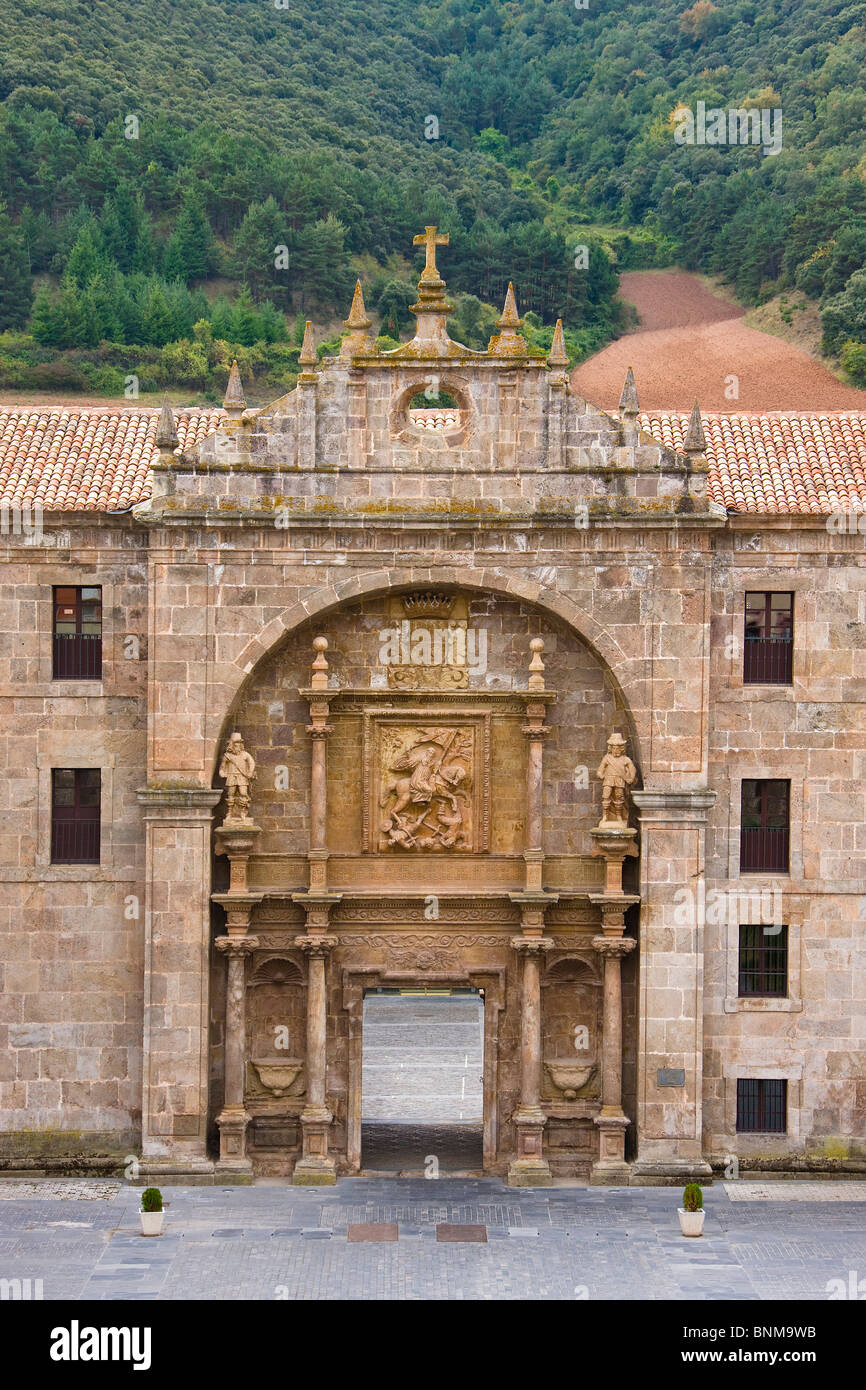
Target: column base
[(315, 1172), (232, 1122), (610, 1168), (530, 1168), (315, 1168), (173, 1172), (529, 1172), (674, 1172)]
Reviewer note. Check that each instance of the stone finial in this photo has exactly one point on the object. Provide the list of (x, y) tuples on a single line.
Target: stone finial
[(508, 342), (536, 665), (695, 441), (166, 439), (558, 357), (358, 341), (234, 401), (432, 309), (320, 664), (430, 238), (307, 356), (628, 401)]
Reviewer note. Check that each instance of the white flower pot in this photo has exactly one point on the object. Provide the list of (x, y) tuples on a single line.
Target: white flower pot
[(151, 1222), (691, 1222)]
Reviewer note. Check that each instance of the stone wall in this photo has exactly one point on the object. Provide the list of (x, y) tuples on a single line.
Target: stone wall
[(71, 950)]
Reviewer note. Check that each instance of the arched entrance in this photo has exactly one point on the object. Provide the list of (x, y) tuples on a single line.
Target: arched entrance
[(423, 816)]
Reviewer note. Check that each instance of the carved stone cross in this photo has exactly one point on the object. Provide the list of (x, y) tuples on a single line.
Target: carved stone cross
[(429, 239)]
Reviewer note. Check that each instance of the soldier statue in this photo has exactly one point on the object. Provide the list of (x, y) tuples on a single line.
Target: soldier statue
[(239, 769)]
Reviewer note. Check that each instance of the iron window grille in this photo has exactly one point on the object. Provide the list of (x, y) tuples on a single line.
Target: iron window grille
[(765, 826), (76, 801), (762, 1106), (77, 645), (763, 962), (768, 646)]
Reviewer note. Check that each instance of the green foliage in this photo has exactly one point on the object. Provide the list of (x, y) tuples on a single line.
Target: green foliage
[(16, 291), (555, 131), (151, 1199), (844, 316), (693, 1197), (854, 362)]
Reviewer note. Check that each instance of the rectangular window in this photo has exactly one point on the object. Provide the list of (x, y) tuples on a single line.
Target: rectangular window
[(77, 634), (762, 1106), (75, 811), (769, 639), (764, 826), (763, 962)]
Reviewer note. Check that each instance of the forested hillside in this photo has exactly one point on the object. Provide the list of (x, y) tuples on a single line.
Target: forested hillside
[(189, 179)]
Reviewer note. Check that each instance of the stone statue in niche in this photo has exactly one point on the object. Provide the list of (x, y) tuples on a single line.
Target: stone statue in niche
[(617, 773), (238, 767), (426, 782)]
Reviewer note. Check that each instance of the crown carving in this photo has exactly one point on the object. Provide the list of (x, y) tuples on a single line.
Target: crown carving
[(428, 604)]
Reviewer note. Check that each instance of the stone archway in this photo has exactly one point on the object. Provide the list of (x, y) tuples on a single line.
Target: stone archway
[(357, 899)]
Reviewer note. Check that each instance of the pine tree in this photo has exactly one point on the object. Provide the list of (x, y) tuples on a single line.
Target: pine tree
[(191, 250), (43, 321), (16, 289)]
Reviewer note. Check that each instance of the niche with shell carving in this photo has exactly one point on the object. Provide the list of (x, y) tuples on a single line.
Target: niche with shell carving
[(571, 1006), (276, 1030)]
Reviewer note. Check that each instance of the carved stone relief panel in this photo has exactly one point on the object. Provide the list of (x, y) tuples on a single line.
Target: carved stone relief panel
[(427, 784)]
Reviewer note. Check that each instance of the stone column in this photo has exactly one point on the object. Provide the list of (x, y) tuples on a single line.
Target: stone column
[(319, 729), (670, 1052), (315, 1168), (530, 1168), (536, 731), (176, 980), (612, 1123), (233, 1118)]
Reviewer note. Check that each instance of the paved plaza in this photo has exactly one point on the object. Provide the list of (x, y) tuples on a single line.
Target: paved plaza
[(433, 1239)]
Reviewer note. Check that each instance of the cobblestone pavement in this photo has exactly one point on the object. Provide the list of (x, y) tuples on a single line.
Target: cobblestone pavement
[(273, 1241)]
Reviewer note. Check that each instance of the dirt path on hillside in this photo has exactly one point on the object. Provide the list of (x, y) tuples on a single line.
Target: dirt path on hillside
[(690, 343)]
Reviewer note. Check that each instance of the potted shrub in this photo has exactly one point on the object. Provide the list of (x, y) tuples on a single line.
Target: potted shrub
[(691, 1213), (151, 1213)]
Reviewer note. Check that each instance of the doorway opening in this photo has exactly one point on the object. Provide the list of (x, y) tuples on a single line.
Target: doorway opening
[(422, 1087)]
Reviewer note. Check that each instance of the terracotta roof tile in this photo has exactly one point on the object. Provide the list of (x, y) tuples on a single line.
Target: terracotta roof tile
[(85, 460), (97, 459), (772, 464)]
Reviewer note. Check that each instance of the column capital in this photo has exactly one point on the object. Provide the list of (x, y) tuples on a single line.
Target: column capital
[(532, 945), (236, 947), (316, 945), (615, 946), (320, 730)]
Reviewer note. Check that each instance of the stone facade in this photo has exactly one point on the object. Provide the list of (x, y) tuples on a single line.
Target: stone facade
[(497, 595)]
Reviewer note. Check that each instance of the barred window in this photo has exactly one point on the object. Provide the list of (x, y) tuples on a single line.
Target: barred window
[(76, 797), (77, 652), (769, 639), (762, 1106), (763, 964), (764, 825)]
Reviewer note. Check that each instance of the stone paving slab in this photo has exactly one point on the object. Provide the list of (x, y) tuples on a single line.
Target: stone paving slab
[(273, 1241)]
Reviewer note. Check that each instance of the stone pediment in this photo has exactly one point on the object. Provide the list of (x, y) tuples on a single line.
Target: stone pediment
[(347, 442)]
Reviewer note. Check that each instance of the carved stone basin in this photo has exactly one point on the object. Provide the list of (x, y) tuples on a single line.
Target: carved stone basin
[(278, 1077), (570, 1077)]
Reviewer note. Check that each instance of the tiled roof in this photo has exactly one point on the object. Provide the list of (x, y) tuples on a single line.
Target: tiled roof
[(96, 459), (82, 460), (775, 464)]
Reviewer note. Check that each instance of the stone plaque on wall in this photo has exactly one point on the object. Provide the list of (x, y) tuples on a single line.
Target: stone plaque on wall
[(426, 783)]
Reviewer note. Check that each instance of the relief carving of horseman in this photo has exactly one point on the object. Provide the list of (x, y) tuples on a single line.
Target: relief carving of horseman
[(428, 806)]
